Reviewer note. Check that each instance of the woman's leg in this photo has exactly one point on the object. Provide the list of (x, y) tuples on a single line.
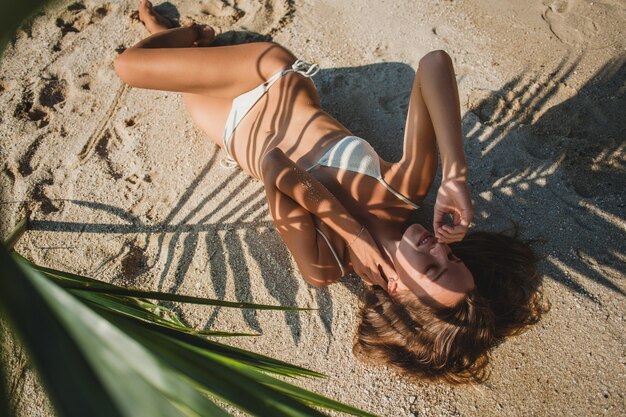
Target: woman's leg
[(209, 78), (167, 61), (208, 113)]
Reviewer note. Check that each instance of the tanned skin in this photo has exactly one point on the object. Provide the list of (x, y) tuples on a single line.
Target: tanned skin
[(288, 131)]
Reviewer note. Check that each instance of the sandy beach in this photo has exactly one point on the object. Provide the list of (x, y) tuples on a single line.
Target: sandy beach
[(121, 186)]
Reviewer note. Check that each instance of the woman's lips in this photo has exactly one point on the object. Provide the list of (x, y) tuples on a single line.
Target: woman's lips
[(423, 238)]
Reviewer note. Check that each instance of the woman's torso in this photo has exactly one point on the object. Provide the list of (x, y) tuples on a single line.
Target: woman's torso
[(289, 116)]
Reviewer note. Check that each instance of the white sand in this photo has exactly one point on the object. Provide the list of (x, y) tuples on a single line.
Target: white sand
[(123, 187)]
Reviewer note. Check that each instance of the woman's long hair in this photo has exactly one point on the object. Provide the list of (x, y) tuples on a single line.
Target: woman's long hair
[(453, 343)]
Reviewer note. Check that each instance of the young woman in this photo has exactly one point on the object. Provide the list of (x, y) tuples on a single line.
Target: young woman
[(340, 208)]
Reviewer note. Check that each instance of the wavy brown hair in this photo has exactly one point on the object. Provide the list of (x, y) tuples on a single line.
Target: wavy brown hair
[(453, 343)]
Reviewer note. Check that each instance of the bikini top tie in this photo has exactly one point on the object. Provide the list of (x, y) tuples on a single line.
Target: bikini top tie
[(304, 68)]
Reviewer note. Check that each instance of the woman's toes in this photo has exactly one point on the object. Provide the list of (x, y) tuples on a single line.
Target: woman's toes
[(144, 10), (207, 32), (144, 6), (206, 35), (153, 21)]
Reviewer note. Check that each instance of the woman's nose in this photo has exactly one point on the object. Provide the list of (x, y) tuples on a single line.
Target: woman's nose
[(439, 249), (436, 247)]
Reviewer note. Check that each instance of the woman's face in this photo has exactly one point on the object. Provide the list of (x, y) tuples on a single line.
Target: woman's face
[(429, 269)]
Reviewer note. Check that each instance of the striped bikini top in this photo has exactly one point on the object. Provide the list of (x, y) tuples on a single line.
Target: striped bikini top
[(355, 154)]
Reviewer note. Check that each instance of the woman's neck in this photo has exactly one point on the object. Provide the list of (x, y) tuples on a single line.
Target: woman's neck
[(386, 235)]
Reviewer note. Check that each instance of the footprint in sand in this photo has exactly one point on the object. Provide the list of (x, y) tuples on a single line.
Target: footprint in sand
[(52, 92), (27, 110), (571, 22), (83, 81), (267, 17), (76, 17), (38, 194), (134, 262), (103, 148), (27, 164)]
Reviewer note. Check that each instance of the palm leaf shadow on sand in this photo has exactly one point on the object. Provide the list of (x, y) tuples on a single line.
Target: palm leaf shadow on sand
[(532, 149), (520, 147), (230, 248)]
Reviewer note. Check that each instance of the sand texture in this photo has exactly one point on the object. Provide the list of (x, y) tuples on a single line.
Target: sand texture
[(122, 187)]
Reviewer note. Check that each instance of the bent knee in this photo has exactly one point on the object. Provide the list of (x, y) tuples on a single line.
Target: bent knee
[(274, 58), (436, 58), (121, 64)]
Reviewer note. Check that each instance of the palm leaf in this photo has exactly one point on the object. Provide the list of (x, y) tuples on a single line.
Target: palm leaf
[(293, 391), (197, 363), (71, 382), (129, 371), (15, 235), (216, 375), (130, 307), (124, 351), (157, 323), (4, 400), (74, 281)]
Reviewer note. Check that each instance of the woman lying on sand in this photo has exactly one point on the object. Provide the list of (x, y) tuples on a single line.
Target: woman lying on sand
[(436, 303)]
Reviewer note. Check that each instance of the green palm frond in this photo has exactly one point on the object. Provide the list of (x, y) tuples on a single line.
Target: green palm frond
[(78, 282), (104, 350)]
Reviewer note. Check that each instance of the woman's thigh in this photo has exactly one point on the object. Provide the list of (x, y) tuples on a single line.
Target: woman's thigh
[(209, 114), (220, 72)]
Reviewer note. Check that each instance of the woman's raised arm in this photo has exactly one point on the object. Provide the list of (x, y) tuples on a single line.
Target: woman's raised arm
[(434, 121)]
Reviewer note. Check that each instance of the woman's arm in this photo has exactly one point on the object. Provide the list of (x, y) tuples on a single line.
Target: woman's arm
[(434, 117), (309, 195), (434, 121), (296, 227)]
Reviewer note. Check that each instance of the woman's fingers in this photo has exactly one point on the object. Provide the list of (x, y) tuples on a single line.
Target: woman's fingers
[(377, 279), (465, 217), (442, 233), (439, 213), (448, 234), (387, 269), (455, 230), (442, 236)]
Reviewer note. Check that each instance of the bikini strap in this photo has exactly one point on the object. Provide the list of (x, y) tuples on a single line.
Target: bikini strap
[(332, 250), (228, 162), (303, 68), (397, 194)]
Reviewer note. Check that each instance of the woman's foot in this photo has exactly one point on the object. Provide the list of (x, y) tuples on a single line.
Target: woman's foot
[(152, 20), (206, 34), (155, 23)]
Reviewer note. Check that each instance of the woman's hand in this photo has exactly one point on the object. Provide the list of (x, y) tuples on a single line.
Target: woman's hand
[(453, 198), (368, 262)]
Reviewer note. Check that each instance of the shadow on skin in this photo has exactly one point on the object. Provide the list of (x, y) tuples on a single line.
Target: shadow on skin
[(498, 126)]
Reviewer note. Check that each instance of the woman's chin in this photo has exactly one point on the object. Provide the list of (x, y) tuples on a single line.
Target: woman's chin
[(414, 231)]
